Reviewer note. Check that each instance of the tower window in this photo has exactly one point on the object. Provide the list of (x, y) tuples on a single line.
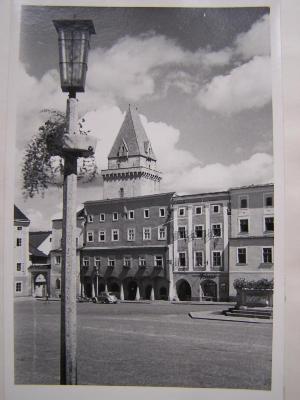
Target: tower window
[(115, 216), (146, 213)]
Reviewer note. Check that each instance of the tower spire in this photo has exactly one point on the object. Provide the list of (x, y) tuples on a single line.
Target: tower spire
[(131, 154)]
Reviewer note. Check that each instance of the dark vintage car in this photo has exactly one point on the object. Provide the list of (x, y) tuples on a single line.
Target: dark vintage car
[(105, 297)]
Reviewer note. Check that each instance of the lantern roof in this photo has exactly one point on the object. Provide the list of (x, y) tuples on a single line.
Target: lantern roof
[(75, 24)]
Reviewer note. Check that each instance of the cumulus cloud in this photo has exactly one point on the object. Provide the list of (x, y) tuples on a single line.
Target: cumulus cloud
[(128, 69), (217, 58), (255, 42), (257, 169), (245, 87)]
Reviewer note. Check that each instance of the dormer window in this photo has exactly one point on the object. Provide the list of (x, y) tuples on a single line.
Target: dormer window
[(148, 148), (123, 150)]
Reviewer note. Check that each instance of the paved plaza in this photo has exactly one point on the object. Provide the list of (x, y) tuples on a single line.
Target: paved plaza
[(143, 344)]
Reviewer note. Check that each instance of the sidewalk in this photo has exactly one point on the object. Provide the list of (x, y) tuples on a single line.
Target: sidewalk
[(217, 316)]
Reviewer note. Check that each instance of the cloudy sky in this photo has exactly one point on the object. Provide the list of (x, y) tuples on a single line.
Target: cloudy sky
[(201, 79)]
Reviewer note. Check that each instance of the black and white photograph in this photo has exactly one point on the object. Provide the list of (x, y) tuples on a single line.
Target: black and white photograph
[(144, 218)]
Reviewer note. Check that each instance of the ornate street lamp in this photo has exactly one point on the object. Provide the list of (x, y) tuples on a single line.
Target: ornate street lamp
[(73, 42)]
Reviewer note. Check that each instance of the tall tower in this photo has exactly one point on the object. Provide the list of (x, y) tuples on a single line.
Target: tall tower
[(131, 162)]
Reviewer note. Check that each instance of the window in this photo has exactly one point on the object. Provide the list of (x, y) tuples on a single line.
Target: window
[(131, 234), (97, 261), (267, 255), (215, 208), (131, 214), (115, 216), (162, 212), (146, 213), (18, 287), (198, 261), (198, 210), (217, 259), (181, 232), (269, 224), (242, 255), (244, 202), (57, 284), (127, 261), (90, 236), (146, 233), (19, 242), (244, 225), (158, 261), (111, 262), (90, 218), (86, 261), (115, 235), (198, 229), (19, 267), (142, 261), (216, 230), (102, 217), (181, 212), (162, 233), (121, 192), (182, 259), (268, 200), (102, 236), (19, 228), (57, 259)]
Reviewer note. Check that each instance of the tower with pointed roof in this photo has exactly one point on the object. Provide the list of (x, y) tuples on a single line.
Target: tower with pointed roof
[(132, 169)]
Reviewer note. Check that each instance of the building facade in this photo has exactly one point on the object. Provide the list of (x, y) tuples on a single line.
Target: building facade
[(252, 234), (200, 246), (40, 264), (126, 248), (21, 254)]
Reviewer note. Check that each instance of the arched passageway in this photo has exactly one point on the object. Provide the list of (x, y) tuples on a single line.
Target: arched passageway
[(114, 287), (131, 290), (184, 291), (163, 293), (148, 292), (40, 286)]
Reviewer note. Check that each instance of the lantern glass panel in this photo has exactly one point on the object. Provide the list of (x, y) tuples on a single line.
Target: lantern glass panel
[(73, 48)]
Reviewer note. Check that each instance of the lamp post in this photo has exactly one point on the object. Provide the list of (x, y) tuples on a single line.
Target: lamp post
[(73, 42), (97, 273)]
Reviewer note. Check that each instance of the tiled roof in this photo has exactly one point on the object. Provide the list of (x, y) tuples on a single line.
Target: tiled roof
[(132, 134), (37, 238), (18, 215), (128, 199), (36, 252)]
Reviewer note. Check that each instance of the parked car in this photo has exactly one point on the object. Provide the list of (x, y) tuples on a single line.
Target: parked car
[(105, 297)]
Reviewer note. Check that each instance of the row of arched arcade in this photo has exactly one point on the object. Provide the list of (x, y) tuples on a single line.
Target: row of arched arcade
[(127, 289)]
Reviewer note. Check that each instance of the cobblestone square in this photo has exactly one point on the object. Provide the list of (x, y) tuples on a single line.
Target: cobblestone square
[(135, 344)]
